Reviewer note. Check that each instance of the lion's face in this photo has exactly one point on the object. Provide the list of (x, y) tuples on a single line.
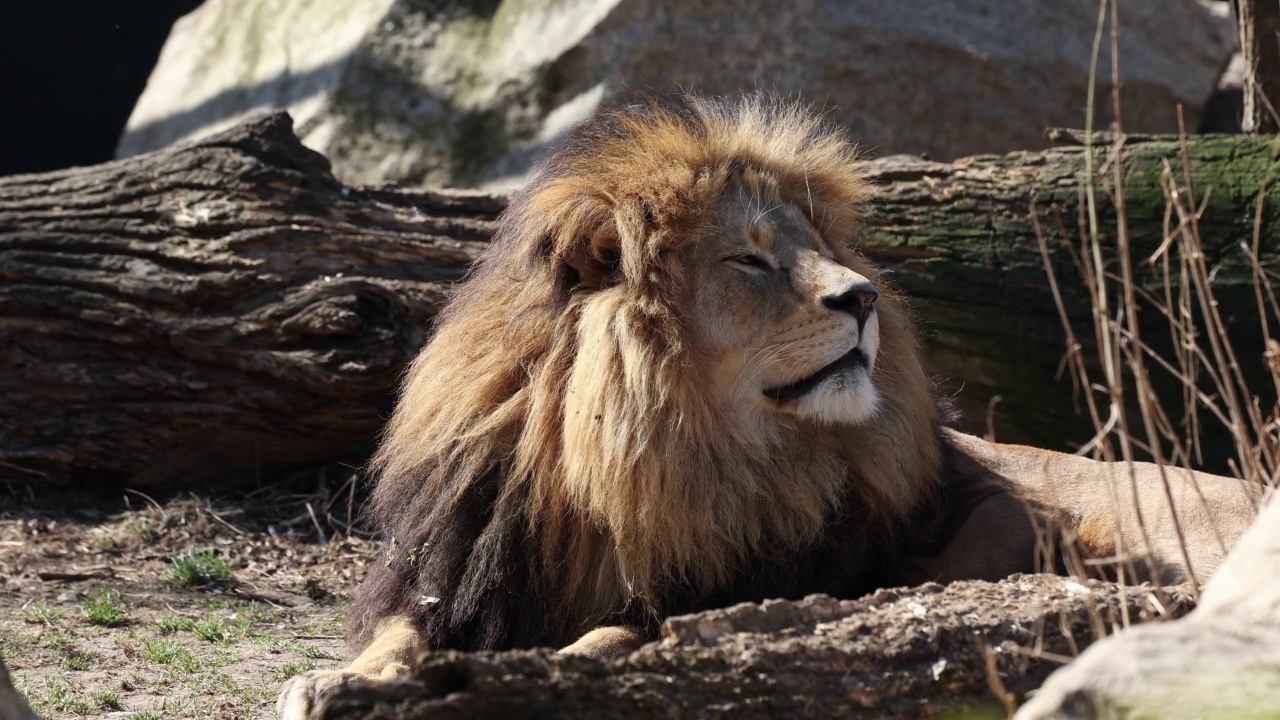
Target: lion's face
[(792, 329)]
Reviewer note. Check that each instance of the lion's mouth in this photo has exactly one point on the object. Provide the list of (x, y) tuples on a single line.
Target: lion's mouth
[(852, 359)]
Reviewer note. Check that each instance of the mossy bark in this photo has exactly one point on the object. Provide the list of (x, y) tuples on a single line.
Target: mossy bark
[(222, 311), (962, 241)]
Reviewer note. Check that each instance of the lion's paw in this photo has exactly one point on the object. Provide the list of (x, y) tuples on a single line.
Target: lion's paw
[(302, 694)]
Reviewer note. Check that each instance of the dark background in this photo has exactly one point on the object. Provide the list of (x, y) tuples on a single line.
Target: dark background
[(70, 72)]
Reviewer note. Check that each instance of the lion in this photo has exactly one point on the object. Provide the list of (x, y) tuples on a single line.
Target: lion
[(674, 384)]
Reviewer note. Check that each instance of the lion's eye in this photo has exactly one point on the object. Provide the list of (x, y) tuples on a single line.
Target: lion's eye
[(750, 263)]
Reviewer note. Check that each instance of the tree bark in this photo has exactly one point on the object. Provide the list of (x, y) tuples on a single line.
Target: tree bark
[(225, 310), (213, 312), (903, 653)]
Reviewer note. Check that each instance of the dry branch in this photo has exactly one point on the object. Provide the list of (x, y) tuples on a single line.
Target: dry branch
[(1258, 27)]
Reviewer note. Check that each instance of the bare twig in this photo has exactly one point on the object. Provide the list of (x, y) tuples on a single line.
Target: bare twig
[(164, 516), (319, 530), (993, 679)]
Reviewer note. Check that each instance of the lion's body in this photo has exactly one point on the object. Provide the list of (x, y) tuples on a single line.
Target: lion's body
[(671, 385)]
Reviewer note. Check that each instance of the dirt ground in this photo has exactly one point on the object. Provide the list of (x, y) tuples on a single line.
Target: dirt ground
[(179, 607)]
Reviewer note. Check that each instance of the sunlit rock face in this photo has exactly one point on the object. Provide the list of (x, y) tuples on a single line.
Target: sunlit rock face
[(471, 92)]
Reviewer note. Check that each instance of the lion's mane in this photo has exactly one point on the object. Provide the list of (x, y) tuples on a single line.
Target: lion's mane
[(555, 462)]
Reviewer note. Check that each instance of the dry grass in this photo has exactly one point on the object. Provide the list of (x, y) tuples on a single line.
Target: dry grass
[(1116, 370), (1118, 373)]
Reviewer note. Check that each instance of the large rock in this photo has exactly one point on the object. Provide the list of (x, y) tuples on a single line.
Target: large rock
[(465, 93)]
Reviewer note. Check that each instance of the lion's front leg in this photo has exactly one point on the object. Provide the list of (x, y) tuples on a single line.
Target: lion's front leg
[(396, 645), (608, 642)]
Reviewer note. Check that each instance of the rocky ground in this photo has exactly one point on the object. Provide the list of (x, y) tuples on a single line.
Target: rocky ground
[(970, 650), (126, 605), (181, 607)]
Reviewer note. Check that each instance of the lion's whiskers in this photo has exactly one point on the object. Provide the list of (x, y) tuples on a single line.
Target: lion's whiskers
[(758, 362)]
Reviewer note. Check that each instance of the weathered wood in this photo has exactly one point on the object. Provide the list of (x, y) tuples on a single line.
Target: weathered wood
[(224, 310), (213, 312), (903, 653)]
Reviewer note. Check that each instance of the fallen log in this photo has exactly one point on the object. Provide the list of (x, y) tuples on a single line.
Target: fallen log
[(224, 310), (905, 653), (214, 312)]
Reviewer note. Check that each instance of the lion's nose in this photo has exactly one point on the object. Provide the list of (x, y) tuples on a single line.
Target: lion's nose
[(856, 300)]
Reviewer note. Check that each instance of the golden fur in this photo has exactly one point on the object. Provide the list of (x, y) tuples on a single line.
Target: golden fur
[(673, 384)]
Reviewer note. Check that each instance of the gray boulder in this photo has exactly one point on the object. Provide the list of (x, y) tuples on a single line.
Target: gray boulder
[(468, 93)]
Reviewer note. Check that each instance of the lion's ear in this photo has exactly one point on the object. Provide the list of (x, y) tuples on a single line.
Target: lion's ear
[(596, 258)]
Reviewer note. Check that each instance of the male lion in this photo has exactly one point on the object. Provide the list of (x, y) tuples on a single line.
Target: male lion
[(672, 385)]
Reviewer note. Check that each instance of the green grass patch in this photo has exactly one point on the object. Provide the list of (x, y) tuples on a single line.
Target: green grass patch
[(214, 682), (264, 693), (210, 630), (273, 645), (64, 697), (309, 651), (11, 646), (196, 570), (288, 670), (40, 613), (139, 528), (102, 611), (169, 653), (107, 699), (77, 659), (169, 623), (56, 639), (242, 610), (133, 680)]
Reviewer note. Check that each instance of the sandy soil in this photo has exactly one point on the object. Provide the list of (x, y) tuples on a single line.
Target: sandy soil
[(97, 618)]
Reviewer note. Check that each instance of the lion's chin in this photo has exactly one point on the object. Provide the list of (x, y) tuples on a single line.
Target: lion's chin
[(846, 398), (841, 393)]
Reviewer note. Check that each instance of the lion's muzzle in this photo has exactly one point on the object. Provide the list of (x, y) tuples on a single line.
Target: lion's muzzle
[(851, 362)]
